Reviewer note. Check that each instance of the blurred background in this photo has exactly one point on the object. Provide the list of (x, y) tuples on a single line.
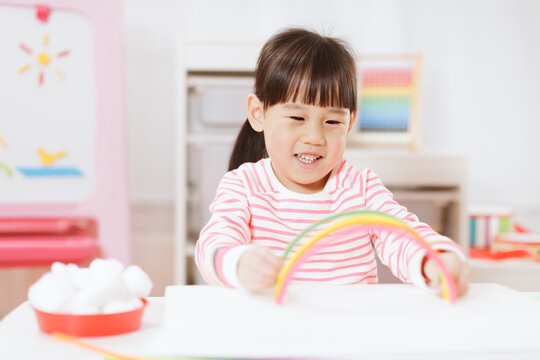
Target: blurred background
[(479, 86)]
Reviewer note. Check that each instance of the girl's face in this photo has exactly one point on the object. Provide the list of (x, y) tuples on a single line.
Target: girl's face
[(305, 142)]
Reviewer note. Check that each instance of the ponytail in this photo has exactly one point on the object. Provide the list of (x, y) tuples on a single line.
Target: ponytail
[(249, 147)]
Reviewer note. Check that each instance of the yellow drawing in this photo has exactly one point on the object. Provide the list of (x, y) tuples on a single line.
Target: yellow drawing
[(43, 59), (6, 169), (48, 158), (3, 142), (25, 67), (60, 74)]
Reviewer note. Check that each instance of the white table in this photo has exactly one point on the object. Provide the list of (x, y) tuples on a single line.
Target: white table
[(20, 337), (189, 318)]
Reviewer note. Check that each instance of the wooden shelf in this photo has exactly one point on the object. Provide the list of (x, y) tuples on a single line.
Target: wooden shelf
[(521, 275)]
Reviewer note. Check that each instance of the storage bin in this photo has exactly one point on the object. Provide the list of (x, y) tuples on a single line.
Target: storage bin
[(206, 166), (217, 104)]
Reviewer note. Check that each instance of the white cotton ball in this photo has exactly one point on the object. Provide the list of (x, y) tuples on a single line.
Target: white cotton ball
[(63, 271), (51, 293), (114, 266), (137, 281), (58, 268), (95, 294), (84, 310), (70, 289), (106, 267), (91, 296), (118, 306), (72, 269), (101, 290), (119, 291), (81, 278), (78, 305), (97, 266)]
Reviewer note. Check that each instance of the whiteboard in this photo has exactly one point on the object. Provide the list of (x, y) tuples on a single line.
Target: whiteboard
[(48, 107), (349, 322)]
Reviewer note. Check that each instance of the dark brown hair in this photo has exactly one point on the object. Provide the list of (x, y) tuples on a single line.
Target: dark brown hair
[(298, 65)]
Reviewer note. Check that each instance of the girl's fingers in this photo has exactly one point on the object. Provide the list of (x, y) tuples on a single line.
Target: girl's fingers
[(261, 271), (460, 273), (263, 267), (463, 280), (269, 273), (270, 266), (272, 260), (256, 271), (257, 260)]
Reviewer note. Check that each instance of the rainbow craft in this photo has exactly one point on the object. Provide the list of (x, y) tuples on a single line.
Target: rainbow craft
[(367, 220)]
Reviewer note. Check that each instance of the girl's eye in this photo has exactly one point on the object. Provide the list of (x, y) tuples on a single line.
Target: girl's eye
[(333, 122), (297, 118)]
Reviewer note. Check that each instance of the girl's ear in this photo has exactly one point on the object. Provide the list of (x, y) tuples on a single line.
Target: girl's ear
[(351, 123), (255, 113)]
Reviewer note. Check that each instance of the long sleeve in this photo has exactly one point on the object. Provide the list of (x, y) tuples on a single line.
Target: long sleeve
[(227, 235), (401, 255)]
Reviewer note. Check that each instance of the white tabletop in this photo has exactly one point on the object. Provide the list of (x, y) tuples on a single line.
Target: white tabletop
[(20, 337), (188, 320)]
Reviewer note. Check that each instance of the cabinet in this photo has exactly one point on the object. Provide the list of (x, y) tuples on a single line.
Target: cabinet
[(212, 96)]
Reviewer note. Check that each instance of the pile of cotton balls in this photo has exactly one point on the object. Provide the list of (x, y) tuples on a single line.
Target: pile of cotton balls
[(104, 287)]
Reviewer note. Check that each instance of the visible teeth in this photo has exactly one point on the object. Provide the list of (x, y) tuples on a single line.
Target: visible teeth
[(308, 159)]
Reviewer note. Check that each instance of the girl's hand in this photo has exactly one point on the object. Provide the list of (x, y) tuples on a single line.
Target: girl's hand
[(258, 269), (458, 269)]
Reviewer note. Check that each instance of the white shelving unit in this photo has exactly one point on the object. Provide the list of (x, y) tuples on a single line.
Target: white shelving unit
[(430, 184), (200, 65)]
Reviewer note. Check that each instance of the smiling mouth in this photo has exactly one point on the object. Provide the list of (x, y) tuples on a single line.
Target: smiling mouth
[(307, 159)]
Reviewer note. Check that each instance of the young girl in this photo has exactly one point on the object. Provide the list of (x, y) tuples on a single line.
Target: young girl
[(287, 172)]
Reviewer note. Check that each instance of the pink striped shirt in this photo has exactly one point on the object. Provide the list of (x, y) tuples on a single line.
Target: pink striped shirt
[(252, 207)]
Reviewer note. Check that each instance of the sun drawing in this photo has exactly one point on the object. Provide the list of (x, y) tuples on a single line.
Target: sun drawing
[(43, 60)]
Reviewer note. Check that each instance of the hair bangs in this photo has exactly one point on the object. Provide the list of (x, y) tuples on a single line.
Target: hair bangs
[(316, 71)]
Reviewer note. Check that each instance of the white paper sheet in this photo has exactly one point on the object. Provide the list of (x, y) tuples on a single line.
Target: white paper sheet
[(349, 321)]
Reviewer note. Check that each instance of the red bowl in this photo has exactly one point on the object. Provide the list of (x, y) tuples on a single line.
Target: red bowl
[(91, 325)]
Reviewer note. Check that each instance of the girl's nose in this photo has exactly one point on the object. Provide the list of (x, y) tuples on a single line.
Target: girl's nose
[(314, 135)]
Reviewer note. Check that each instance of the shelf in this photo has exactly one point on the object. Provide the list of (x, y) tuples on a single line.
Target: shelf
[(210, 139), (521, 275), (398, 139), (437, 197), (195, 81), (240, 56), (405, 168), (504, 265)]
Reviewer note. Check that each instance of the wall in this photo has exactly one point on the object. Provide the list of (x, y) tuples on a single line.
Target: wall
[(479, 86)]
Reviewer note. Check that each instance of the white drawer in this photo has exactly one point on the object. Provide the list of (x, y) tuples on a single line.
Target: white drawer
[(217, 103), (206, 166)]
